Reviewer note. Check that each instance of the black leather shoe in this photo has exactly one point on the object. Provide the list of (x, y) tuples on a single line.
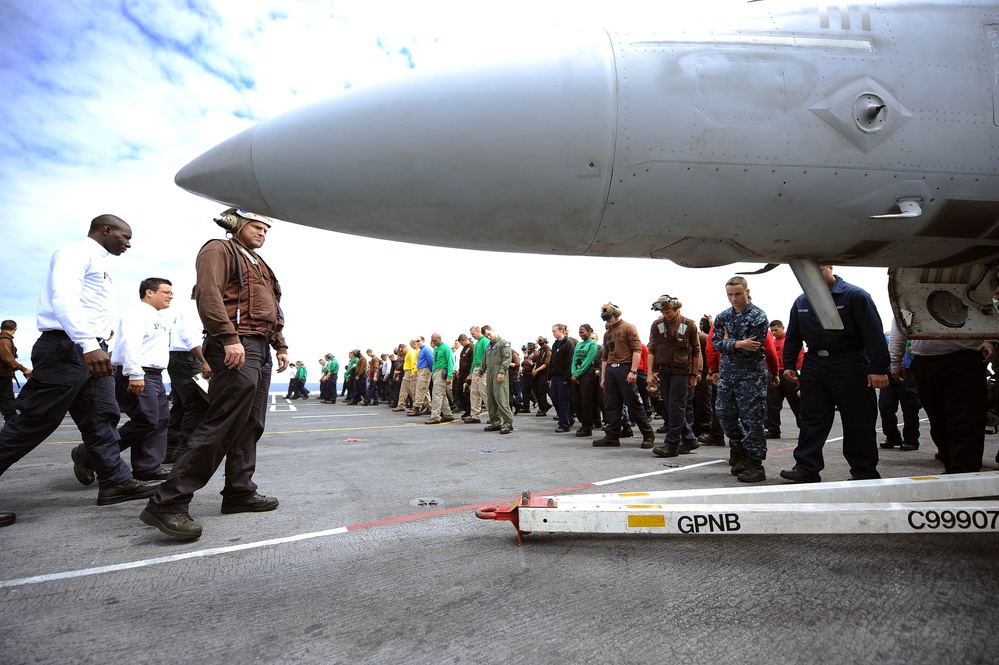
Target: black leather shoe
[(130, 490), (176, 525), (491, 428), (648, 441), (7, 518), (584, 432), (627, 433), (81, 468), (561, 430), (152, 475), (506, 430), (471, 421), (711, 440), (607, 443), (887, 443), (663, 429), (258, 503), (665, 451), (796, 476), (908, 445), (771, 434)]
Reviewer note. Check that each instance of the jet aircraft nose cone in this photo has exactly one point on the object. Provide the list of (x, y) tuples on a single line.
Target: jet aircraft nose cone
[(226, 174), (520, 148)]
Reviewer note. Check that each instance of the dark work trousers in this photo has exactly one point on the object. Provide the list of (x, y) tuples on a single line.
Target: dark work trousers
[(371, 393), (831, 382), (359, 387), (704, 407), (462, 402), (561, 395), (619, 393), (527, 389), (952, 389), (60, 382), (7, 408), (148, 415), (677, 395), (331, 382), (642, 383), (900, 393), (189, 406), (516, 394), (539, 383), (324, 389), (584, 398), (787, 390), (236, 414), (599, 405)]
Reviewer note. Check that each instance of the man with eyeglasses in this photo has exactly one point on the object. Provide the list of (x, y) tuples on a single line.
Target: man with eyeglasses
[(141, 353)]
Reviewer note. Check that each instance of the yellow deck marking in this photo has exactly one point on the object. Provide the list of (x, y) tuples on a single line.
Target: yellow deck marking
[(640, 521)]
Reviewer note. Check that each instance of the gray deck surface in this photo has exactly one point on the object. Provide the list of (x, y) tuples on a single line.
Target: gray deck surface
[(433, 584)]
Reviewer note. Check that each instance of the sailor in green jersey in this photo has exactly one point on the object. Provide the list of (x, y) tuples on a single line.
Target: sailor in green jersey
[(584, 379), (301, 374), (331, 371), (478, 389), (351, 376), (443, 370)]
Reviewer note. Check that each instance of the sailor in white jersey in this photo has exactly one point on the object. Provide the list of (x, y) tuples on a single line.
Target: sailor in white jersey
[(141, 352), (72, 371)]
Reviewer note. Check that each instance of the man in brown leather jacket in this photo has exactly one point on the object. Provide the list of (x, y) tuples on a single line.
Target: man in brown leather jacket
[(238, 299), (8, 367), (674, 365)]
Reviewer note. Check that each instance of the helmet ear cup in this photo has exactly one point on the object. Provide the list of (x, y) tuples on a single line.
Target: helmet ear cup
[(227, 220)]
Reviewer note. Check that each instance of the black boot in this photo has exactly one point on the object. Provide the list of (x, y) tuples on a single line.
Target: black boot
[(737, 459), (752, 471)]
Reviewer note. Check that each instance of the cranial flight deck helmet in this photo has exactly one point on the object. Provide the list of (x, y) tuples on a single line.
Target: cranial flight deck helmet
[(233, 220), (666, 301), (609, 310)]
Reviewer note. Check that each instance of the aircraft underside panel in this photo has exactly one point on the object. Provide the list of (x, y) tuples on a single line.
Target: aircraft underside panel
[(945, 303), (773, 213), (787, 137)]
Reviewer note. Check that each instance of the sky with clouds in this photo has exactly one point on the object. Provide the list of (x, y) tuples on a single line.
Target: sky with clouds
[(105, 101)]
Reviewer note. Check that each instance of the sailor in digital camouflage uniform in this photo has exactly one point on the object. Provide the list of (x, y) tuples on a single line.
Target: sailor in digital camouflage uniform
[(741, 404)]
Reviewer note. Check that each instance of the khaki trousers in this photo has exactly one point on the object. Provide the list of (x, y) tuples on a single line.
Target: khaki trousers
[(441, 403), (477, 393), (422, 398)]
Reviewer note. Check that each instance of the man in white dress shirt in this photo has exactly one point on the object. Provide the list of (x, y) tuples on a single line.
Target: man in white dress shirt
[(72, 370), (141, 353)]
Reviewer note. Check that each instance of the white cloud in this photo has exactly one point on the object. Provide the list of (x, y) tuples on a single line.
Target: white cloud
[(106, 101)]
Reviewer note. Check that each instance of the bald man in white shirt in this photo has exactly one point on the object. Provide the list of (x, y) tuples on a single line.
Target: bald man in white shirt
[(73, 371)]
